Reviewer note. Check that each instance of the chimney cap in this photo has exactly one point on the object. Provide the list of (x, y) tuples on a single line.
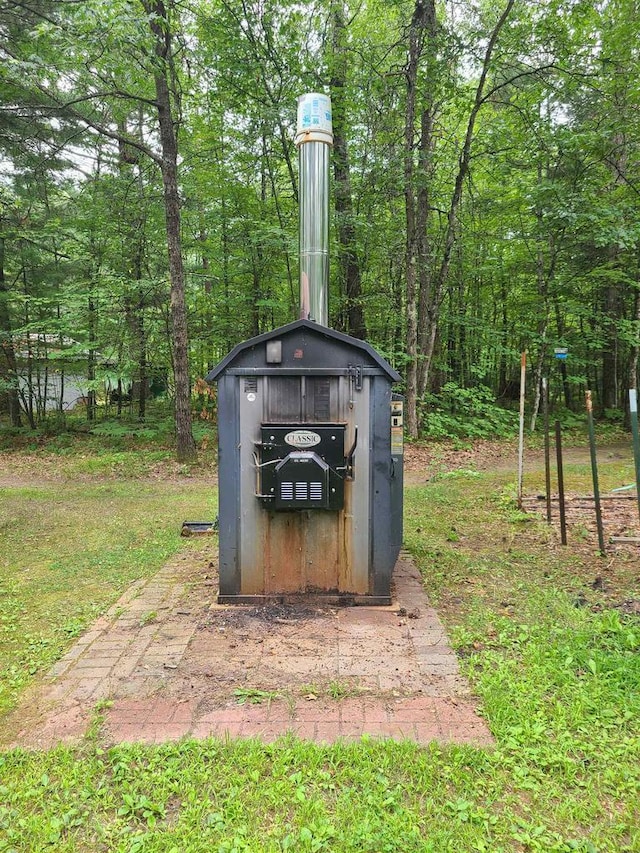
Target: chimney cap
[(314, 119)]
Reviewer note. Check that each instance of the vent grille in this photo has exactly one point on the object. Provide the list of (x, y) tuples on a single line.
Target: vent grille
[(315, 491), (301, 491), (321, 399), (250, 384)]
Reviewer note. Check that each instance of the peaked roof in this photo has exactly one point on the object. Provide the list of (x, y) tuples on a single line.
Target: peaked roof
[(313, 328)]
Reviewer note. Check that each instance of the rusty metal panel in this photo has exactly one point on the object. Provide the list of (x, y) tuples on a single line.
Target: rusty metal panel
[(322, 552), (251, 402), (283, 400), (305, 550), (283, 540)]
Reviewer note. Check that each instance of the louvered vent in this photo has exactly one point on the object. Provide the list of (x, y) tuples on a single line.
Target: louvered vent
[(301, 491), (315, 491)]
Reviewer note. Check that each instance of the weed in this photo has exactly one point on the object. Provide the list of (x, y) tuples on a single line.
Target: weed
[(148, 618), (254, 696), (338, 690), (140, 807)]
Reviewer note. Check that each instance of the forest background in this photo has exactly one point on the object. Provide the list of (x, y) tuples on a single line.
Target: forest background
[(485, 197)]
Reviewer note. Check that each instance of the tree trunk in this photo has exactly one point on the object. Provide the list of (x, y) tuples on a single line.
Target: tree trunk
[(9, 369), (423, 243), (543, 281), (562, 365), (432, 312), (91, 358), (207, 354), (160, 27), (632, 373), (418, 25), (27, 404), (612, 312), (348, 262), (141, 339)]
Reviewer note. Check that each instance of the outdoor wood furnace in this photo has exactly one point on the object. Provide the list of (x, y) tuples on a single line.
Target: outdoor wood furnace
[(309, 436)]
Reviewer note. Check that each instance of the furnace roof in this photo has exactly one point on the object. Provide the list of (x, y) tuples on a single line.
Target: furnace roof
[(328, 349)]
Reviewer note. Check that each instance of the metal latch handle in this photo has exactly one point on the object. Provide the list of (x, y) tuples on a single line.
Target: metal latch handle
[(349, 460)]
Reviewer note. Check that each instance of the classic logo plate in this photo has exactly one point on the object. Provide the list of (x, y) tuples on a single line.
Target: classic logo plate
[(302, 438)]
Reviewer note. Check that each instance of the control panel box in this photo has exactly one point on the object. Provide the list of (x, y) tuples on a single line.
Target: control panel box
[(302, 466)]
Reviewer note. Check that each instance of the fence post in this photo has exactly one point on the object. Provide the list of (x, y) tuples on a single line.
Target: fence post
[(563, 516), (633, 411), (594, 474), (523, 372), (547, 464)]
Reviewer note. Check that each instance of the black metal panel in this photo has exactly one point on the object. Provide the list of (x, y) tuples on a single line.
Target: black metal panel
[(284, 399), (302, 482), (229, 482), (397, 473), (319, 390), (302, 399), (386, 492), (305, 345), (294, 479)]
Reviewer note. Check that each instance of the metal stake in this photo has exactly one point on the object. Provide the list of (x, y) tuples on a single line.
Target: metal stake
[(633, 411), (563, 516), (547, 465), (594, 473)]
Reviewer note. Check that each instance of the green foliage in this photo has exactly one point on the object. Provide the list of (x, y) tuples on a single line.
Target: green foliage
[(466, 413), (120, 429), (546, 236), (253, 695)]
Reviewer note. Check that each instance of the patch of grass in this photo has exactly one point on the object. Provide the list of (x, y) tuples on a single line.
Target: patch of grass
[(68, 552), (368, 796), (116, 463), (254, 696), (149, 617), (338, 689)]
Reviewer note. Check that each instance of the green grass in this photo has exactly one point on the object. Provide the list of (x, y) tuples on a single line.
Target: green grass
[(68, 552), (559, 685)]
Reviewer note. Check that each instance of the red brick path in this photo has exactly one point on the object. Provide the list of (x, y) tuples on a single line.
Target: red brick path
[(421, 719), (160, 666)]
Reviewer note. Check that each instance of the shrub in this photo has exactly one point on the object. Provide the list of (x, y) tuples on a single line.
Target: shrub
[(466, 413)]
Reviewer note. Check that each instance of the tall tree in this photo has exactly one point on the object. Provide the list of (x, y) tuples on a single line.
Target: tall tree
[(349, 275), (8, 366), (83, 79), (168, 105)]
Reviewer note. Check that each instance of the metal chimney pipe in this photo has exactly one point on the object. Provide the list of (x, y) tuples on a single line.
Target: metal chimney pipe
[(314, 138)]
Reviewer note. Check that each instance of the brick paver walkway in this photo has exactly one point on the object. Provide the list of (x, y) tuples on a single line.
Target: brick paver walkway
[(170, 669)]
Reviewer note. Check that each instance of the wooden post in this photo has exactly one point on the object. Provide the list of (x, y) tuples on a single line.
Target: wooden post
[(547, 465), (563, 515), (594, 473), (523, 372)]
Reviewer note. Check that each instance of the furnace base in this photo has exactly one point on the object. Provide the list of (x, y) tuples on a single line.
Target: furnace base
[(330, 599)]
